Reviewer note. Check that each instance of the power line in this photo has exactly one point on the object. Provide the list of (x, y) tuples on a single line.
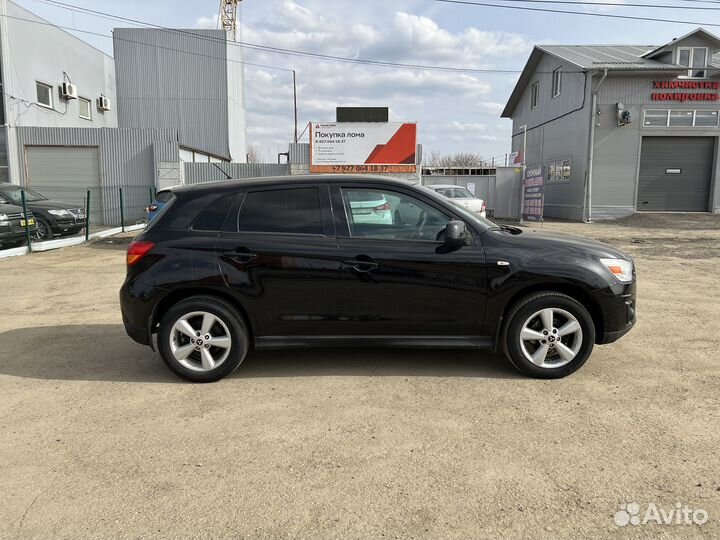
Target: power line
[(380, 63), (586, 14), (251, 46), (588, 3)]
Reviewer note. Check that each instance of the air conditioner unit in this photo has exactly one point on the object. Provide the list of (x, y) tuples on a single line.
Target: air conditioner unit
[(68, 91), (103, 103)]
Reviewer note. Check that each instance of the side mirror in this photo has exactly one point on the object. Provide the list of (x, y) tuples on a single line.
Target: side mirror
[(456, 233)]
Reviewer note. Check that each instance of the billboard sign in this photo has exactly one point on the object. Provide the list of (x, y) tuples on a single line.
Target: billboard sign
[(363, 147), (533, 194)]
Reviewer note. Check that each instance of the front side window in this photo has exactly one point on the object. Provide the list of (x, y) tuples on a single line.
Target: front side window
[(44, 94), (379, 213), (534, 95), (85, 108), (295, 210), (694, 58), (556, 82)]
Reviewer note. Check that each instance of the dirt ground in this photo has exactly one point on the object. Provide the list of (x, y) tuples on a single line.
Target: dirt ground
[(98, 439)]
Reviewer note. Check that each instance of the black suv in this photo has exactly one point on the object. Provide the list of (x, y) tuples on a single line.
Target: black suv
[(54, 218), (12, 225), (322, 261)]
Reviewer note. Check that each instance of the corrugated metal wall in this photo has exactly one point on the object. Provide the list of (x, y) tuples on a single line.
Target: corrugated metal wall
[(199, 173), (299, 153), (126, 160), (174, 79)]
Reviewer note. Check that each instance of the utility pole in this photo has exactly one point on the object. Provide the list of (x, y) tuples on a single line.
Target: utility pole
[(295, 104)]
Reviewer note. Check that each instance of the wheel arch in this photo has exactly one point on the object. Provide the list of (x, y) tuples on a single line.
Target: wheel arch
[(182, 294), (573, 291)]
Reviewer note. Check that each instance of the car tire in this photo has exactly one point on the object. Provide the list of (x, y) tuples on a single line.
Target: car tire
[(548, 335), (199, 358), (43, 232)]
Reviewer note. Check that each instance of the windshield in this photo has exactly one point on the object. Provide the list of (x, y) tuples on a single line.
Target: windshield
[(15, 195)]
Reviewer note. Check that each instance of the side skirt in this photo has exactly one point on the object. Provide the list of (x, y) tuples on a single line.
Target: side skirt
[(437, 342)]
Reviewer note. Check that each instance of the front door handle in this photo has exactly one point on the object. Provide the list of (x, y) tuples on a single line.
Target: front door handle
[(241, 255), (361, 264)]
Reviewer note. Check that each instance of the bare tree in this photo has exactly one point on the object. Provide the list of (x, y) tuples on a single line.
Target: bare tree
[(253, 156), (459, 159)]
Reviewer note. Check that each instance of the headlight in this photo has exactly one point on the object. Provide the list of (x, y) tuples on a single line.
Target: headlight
[(620, 268), (3, 217), (59, 213)]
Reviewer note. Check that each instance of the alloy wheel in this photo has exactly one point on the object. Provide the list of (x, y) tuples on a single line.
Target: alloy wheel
[(42, 231), (200, 341), (551, 338)]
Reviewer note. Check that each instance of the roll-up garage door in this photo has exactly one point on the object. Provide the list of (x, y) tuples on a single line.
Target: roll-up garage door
[(66, 174), (675, 174)]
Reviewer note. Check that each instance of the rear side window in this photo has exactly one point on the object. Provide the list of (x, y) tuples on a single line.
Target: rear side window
[(295, 210), (213, 217)]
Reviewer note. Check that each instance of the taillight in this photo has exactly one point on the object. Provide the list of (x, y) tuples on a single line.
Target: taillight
[(482, 208), (382, 208), (151, 208), (137, 250)]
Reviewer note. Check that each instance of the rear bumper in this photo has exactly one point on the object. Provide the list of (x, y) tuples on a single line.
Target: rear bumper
[(136, 316)]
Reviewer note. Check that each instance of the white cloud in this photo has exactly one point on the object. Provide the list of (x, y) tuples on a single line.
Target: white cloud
[(452, 108), (207, 22)]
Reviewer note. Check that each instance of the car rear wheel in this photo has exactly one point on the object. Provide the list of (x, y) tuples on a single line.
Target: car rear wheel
[(202, 339), (549, 335)]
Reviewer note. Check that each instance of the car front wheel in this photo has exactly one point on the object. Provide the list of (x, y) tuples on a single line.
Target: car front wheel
[(44, 231), (202, 339), (549, 335)]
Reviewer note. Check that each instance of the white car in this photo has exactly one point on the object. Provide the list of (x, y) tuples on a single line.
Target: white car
[(461, 196), (370, 207)]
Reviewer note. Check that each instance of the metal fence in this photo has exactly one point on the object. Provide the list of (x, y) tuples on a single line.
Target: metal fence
[(198, 173), (73, 212)]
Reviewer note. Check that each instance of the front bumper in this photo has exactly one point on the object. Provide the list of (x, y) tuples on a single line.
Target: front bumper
[(619, 307)]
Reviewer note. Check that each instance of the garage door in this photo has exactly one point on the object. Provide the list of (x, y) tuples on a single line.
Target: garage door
[(675, 174), (65, 174)]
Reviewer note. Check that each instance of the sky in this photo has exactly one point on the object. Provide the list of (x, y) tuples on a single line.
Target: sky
[(455, 112)]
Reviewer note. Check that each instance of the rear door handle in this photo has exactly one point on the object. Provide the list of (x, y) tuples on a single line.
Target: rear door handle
[(361, 264)]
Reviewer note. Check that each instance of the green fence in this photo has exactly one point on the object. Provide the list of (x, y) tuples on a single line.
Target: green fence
[(64, 212)]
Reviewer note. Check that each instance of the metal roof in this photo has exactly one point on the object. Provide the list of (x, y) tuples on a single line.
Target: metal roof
[(608, 56), (593, 58)]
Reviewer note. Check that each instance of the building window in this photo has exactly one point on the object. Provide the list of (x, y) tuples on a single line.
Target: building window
[(706, 119), (694, 58), (85, 108), (44, 94), (680, 118), (558, 171), (534, 95), (556, 82)]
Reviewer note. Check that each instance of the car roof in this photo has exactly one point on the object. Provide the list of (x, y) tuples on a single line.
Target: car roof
[(232, 184)]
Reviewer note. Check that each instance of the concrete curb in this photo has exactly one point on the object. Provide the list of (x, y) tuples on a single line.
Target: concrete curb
[(66, 242)]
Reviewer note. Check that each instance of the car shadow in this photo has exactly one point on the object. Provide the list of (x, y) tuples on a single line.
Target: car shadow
[(103, 352)]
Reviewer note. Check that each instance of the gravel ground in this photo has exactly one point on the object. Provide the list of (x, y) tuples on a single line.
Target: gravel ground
[(100, 440)]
